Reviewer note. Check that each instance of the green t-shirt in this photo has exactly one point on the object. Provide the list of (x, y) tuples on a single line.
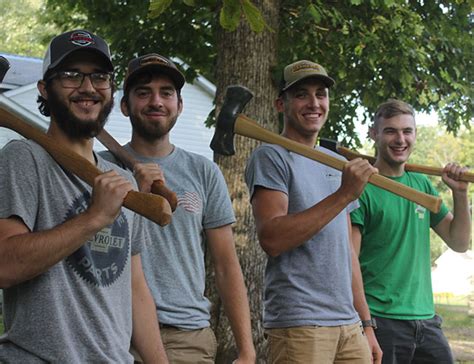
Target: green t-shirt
[(395, 250)]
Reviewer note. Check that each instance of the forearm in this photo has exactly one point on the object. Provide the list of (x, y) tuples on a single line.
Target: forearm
[(146, 338), (286, 232), (26, 255), (460, 228), (360, 302), (231, 288)]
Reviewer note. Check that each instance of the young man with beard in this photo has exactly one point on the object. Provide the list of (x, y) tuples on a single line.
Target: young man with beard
[(392, 237), (69, 296), (174, 264), (313, 297)]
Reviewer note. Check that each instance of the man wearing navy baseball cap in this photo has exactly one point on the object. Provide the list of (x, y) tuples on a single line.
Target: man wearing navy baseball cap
[(70, 266), (174, 262)]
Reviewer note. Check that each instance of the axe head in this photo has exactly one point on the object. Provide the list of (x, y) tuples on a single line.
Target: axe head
[(4, 66), (329, 144), (235, 99)]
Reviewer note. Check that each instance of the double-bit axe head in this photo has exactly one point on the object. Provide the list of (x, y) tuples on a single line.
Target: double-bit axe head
[(4, 66), (329, 144), (235, 99)]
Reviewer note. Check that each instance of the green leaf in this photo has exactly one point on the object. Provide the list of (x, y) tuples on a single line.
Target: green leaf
[(315, 14), (253, 16), (229, 17), (157, 7), (356, 2), (190, 2)]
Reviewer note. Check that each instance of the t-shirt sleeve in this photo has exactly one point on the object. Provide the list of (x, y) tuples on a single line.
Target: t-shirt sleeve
[(435, 218), (140, 235), (218, 209), (267, 168), (358, 214), (18, 176)]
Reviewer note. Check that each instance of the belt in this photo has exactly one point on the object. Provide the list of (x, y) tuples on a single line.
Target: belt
[(167, 326)]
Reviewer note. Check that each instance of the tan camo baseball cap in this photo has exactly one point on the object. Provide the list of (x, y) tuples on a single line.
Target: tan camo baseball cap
[(300, 70)]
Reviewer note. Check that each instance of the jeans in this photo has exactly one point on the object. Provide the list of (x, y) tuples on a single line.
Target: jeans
[(413, 341)]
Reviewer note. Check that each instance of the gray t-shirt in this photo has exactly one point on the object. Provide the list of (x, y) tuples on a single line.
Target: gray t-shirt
[(174, 262), (311, 284), (79, 310)]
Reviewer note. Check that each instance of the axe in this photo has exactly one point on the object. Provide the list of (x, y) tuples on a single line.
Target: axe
[(4, 66), (230, 121), (153, 207), (350, 154), (158, 187)]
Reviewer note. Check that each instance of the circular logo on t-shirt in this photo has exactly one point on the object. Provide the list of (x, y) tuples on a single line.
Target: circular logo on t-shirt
[(102, 259)]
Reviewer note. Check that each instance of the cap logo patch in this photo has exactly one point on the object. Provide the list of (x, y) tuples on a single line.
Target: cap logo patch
[(153, 60), (305, 67), (82, 39)]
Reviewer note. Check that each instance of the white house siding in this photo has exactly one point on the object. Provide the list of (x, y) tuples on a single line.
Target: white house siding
[(189, 132)]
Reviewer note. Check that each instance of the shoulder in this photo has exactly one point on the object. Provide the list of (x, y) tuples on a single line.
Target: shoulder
[(419, 181), (20, 151), (269, 152), (22, 146), (107, 165), (185, 154), (331, 153), (193, 160)]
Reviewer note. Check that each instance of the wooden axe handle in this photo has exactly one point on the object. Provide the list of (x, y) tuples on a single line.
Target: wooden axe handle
[(158, 187), (249, 128), (153, 207), (432, 171)]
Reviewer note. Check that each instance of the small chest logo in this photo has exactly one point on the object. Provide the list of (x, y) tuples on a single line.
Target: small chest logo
[(420, 211), (190, 201), (103, 258)]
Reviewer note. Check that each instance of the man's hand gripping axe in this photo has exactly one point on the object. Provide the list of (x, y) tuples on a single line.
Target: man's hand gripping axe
[(230, 121)]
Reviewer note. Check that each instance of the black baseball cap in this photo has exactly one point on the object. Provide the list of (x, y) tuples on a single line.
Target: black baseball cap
[(64, 44), (152, 63)]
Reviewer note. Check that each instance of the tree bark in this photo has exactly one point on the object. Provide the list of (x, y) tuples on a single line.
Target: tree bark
[(246, 58)]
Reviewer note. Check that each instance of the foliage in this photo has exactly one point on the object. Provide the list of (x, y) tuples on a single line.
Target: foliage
[(411, 50), (419, 51), (183, 31), (229, 15), (17, 38)]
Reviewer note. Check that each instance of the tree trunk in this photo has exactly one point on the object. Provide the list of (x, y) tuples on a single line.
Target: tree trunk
[(246, 58)]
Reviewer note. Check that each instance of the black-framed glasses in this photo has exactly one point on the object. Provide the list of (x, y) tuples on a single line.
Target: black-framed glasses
[(74, 79)]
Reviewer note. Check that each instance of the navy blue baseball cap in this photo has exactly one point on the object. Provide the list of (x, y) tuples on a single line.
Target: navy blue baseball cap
[(64, 44)]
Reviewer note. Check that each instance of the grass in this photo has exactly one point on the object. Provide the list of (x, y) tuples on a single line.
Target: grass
[(450, 299), (458, 327)]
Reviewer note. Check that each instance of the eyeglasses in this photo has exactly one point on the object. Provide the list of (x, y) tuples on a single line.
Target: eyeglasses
[(74, 79)]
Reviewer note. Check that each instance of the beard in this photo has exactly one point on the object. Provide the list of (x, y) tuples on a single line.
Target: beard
[(74, 127), (151, 132)]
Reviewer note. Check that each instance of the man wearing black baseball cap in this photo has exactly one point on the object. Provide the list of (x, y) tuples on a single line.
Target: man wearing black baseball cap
[(174, 264), (69, 254), (313, 297)]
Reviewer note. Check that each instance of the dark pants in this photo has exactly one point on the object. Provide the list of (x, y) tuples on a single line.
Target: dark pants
[(413, 341)]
